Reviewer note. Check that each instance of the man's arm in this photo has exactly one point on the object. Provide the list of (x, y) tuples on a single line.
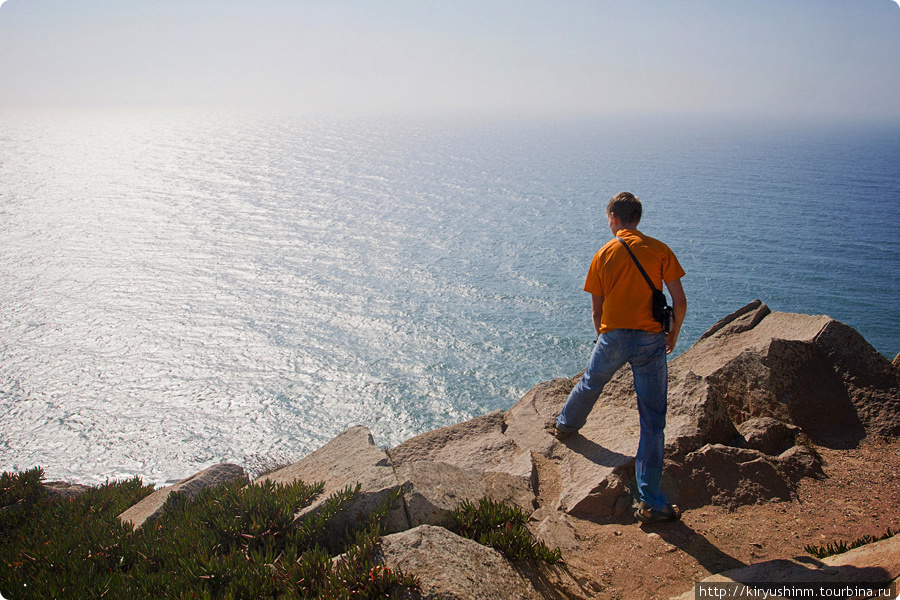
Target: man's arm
[(679, 304), (596, 312)]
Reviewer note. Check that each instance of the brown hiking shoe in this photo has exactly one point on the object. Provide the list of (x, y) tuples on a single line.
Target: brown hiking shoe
[(558, 433)]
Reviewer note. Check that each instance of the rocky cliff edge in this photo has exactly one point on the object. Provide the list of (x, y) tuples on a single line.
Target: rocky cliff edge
[(749, 404)]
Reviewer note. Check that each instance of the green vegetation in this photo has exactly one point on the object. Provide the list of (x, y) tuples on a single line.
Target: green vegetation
[(841, 547), (501, 527), (233, 541)]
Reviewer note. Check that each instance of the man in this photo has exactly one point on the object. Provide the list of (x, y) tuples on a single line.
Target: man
[(627, 333)]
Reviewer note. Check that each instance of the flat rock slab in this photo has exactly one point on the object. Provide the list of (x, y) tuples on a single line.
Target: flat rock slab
[(874, 563), (350, 458), (151, 507), (884, 555)]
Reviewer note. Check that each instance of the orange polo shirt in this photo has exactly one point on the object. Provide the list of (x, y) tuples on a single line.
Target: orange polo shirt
[(626, 296)]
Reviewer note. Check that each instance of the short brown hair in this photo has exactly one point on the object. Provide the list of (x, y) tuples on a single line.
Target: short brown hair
[(626, 206)]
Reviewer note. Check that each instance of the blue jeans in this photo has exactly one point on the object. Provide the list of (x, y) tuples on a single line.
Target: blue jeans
[(646, 352)]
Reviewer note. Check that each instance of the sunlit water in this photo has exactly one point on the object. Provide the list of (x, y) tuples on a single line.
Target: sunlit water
[(178, 290)]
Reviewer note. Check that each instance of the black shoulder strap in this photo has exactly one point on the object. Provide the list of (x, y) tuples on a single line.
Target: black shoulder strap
[(640, 268)]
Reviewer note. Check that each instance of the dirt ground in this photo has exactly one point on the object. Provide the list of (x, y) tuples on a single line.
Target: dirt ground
[(860, 496)]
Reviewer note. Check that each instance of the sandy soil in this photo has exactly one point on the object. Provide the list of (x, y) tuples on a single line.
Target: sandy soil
[(860, 496)]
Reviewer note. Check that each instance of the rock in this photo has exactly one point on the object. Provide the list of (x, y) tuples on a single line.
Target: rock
[(350, 458), (884, 554), (731, 477), (623, 504), (696, 414), (767, 435), (478, 444), (878, 562), (801, 461), (151, 507), (809, 371), (431, 490), (451, 567), (555, 529), (593, 466), (526, 421), (728, 477), (62, 489), (896, 362)]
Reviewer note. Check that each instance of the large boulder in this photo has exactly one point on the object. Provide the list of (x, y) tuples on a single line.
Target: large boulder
[(465, 461), (151, 507), (593, 469), (809, 371), (430, 488), (451, 567)]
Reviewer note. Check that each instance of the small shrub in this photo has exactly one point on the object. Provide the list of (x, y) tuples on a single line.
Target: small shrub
[(501, 527), (840, 547), (20, 494)]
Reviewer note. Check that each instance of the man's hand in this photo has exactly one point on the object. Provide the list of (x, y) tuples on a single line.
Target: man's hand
[(596, 312), (671, 340)]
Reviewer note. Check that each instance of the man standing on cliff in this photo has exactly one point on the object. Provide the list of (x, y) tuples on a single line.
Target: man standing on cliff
[(627, 333)]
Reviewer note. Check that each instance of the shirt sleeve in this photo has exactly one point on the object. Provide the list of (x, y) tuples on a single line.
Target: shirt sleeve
[(592, 283), (671, 267)]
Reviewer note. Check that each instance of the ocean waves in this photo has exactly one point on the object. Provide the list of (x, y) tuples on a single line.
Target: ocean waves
[(179, 290)]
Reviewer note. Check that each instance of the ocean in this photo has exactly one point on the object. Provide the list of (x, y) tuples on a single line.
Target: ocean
[(179, 289)]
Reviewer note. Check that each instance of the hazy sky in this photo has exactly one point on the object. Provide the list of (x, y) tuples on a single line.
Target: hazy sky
[(493, 57)]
